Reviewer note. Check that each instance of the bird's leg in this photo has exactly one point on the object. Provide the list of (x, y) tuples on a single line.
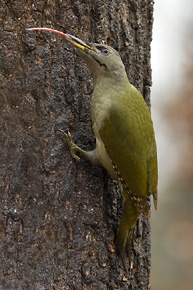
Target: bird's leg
[(72, 146), (89, 155)]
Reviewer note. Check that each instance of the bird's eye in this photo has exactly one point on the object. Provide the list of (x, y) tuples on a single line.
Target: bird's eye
[(105, 51)]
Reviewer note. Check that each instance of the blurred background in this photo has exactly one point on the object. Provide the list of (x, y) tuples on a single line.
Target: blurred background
[(172, 113)]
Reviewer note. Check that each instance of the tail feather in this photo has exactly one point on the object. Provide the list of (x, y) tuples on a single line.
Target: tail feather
[(155, 198), (129, 242), (125, 232)]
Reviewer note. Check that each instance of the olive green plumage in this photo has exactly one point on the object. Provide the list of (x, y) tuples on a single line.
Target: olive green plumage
[(129, 139), (125, 141), (128, 136)]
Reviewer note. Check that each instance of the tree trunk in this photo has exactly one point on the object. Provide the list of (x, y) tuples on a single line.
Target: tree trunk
[(58, 219)]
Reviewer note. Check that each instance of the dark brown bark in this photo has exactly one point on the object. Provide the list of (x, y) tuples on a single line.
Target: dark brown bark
[(58, 219)]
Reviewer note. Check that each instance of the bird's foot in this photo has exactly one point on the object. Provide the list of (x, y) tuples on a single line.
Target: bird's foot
[(72, 146)]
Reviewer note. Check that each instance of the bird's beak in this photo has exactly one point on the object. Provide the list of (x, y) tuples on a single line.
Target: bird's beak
[(72, 39)]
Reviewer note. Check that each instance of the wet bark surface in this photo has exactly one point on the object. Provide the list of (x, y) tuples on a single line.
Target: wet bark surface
[(58, 218)]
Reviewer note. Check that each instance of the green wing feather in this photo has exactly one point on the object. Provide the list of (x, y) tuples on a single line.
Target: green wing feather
[(129, 139)]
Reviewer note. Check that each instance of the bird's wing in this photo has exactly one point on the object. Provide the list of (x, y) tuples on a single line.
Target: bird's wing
[(129, 139)]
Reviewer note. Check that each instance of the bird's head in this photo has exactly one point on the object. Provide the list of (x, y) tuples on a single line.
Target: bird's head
[(102, 60)]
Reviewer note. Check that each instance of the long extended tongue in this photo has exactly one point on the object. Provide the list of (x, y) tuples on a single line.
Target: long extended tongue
[(52, 30)]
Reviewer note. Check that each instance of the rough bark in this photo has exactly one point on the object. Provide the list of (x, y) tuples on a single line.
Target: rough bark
[(58, 219)]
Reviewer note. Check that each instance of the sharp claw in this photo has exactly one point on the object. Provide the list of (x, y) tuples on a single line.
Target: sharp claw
[(72, 146), (69, 136), (73, 149)]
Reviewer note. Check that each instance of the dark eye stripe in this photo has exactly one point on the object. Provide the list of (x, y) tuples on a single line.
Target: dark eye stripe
[(101, 48)]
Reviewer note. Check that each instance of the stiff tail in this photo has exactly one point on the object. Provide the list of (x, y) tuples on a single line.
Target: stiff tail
[(155, 197), (125, 232)]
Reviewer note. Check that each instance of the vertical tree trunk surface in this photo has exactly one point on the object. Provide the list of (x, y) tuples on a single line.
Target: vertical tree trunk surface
[(58, 219)]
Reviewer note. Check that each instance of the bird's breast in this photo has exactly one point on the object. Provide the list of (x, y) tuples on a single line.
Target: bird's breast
[(100, 107)]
